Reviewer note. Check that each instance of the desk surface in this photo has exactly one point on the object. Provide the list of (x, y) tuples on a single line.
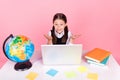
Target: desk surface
[(84, 71)]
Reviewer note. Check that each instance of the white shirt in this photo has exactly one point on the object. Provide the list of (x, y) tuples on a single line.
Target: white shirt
[(61, 35)]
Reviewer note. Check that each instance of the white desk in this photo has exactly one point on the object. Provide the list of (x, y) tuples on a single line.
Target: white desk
[(111, 72)]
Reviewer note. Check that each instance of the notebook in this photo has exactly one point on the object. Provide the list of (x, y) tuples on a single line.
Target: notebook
[(61, 54)]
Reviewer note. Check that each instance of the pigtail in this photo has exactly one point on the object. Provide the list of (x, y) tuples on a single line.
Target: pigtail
[(54, 38), (65, 37)]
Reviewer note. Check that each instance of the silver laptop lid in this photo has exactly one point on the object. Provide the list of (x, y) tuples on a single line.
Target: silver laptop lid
[(61, 54)]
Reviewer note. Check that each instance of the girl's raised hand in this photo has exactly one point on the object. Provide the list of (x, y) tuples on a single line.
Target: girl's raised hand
[(48, 37), (75, 36)]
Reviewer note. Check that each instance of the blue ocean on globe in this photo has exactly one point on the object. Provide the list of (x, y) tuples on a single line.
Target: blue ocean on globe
[(19, 49)]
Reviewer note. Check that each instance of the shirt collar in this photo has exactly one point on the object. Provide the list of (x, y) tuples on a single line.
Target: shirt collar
[(59, 35)]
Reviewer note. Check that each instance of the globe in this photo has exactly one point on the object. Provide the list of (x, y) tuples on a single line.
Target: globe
[(19, 49)]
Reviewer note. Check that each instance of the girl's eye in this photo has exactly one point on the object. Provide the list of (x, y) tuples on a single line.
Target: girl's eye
[(61, 24), (56, 24)]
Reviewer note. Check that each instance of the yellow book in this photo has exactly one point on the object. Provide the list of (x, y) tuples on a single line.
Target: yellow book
[(97, 54)]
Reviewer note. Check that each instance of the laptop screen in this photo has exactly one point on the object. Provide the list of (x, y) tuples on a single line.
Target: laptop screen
[(61, 54)]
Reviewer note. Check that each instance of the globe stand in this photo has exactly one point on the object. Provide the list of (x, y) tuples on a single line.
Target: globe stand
[(21, 66)]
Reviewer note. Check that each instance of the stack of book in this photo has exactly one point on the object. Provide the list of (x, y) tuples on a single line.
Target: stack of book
[(97, 56)]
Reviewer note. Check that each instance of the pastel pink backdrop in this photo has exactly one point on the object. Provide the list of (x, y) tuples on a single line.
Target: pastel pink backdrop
[(98, 21)]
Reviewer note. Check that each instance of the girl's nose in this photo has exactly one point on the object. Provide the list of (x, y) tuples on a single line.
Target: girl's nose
[(59, 26)]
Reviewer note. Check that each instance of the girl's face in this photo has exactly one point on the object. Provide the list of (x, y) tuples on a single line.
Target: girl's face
[(59, 25)]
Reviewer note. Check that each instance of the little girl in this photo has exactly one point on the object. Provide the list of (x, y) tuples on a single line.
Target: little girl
[(60, 33)]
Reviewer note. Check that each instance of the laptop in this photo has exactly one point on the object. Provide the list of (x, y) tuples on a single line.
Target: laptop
[(61, 54)]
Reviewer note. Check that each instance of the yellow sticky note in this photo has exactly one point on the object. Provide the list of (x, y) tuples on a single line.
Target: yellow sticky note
[(92, 76), (32, 75), (82, 69), (70, 74)]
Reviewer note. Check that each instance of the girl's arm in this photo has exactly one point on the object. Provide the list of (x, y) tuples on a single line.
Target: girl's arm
[(73, 37), (49, 38)]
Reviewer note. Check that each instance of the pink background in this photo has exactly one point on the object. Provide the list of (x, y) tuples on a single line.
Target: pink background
[(97, 20)]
